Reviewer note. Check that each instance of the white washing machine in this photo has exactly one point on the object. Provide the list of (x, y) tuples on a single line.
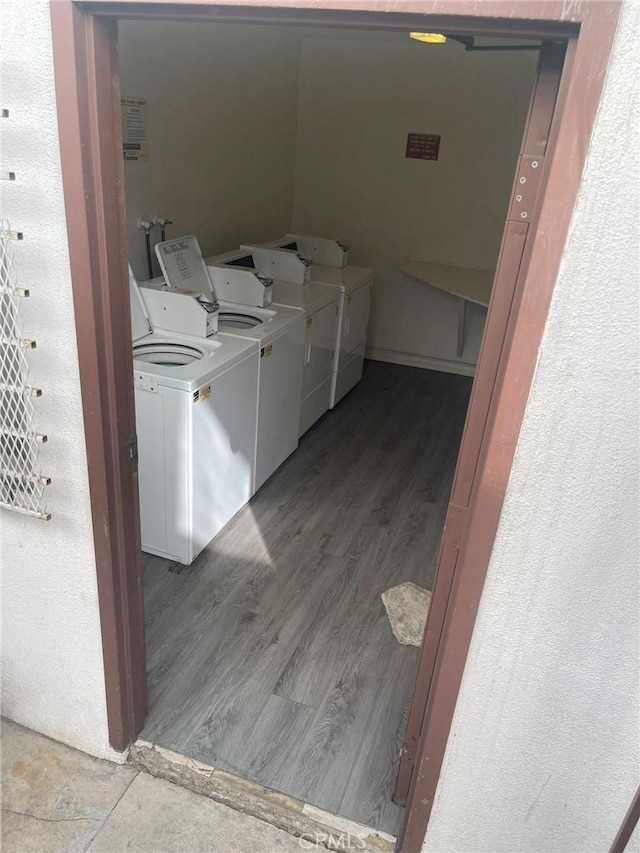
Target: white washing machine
[(279, 333), (196, 414), (355, 285), (320, 304)]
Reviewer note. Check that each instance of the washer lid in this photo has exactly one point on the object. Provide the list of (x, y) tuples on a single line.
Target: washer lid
[(140, 323), (311, 296), (349, 277), (183, 266)]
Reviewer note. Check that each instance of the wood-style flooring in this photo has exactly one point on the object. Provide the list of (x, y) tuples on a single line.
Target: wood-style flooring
[(271, 656)]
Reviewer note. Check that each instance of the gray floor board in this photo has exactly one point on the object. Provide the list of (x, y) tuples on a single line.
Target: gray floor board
[(271, 655), (311, 670), (264, 752), (366, 796), (324, 760)]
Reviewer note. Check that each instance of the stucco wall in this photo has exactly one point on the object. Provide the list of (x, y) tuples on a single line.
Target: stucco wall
[(52, 672), (544, 750)]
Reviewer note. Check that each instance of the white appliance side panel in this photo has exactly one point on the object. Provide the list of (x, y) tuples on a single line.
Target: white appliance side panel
[(320, 342), (355, 323), (163, 472), (348, 376), (339, 349), (177, 462), (152, 485), (224, 445), (314, 404), (279, 397)]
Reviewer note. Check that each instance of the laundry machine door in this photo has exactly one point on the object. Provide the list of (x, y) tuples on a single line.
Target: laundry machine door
[(279, 397), (320, 345), (356, 319)]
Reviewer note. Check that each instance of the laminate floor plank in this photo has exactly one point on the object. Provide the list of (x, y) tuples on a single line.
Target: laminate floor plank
[(205, 619), (322, 763), (347, 473), (414, 547), (265, 751), (312, 668), (271, 656), (366, 796), (243, 652)]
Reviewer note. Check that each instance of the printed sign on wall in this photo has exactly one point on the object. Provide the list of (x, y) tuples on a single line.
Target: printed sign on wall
[(422, 146), (135, 128)]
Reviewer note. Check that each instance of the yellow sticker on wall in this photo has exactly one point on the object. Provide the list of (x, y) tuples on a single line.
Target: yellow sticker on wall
[(265, 352), (309, 322)]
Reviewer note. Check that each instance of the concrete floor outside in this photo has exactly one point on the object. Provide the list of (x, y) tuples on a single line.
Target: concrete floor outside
[(55, 798)]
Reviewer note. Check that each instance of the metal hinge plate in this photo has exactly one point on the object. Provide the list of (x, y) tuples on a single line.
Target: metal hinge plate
[(526, 188)]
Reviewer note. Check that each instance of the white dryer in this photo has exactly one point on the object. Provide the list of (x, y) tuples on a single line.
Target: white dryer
[(195, 401), (320, 304), (355, 285)]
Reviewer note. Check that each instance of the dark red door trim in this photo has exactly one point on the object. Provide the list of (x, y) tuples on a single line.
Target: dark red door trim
[(566, 153), (628, 825), (525, 199), (86, 91)]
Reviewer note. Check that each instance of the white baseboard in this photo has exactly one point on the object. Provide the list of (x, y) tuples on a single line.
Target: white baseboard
[(423, 361)]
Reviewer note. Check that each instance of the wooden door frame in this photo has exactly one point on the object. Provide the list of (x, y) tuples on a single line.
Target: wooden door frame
[(554, 59), (87, 90)]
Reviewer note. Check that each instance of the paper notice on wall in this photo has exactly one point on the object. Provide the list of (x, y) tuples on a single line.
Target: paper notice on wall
[(135, 128)]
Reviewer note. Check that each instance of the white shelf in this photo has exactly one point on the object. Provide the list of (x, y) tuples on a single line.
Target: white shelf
[(469, 284)]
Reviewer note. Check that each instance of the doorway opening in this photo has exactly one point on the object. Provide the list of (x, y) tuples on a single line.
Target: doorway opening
[(88, 105), (271, 655)]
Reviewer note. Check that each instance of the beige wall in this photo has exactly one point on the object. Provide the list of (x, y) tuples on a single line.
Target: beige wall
[(222, 118), (359, 97), (257, 129)]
